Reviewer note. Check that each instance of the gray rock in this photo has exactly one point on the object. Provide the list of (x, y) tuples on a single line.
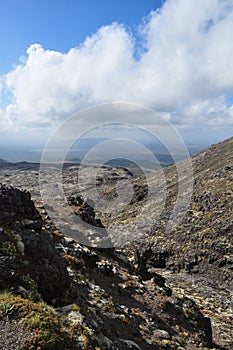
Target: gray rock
[(105, 343), (75, 317), (124, 344), (161, 334)]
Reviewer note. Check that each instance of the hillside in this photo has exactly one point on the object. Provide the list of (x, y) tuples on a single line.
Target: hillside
[(57, 294), (197, 257), (203, 241), (162, 286)]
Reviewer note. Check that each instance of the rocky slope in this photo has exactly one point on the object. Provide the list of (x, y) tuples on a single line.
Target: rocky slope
[(127, 285), (203, 241), (99, 300), (199, 251)]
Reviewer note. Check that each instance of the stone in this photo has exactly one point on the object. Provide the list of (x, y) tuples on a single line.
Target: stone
[(161, 334), (124, 344), (75, 317)]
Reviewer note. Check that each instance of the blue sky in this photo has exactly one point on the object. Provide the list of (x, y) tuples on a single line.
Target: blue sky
[(61, 25), (58, 57)]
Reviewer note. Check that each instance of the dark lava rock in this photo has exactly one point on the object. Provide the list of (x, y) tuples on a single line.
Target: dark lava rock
[(28, 256), (16, 206), (9, 272), (85, 210), (148, 259), (124, 344), (46, 266)]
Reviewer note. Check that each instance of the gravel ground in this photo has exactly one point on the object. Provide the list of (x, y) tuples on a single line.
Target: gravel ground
[(12, 334)]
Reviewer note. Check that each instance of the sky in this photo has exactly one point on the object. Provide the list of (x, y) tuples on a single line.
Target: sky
[(58, 57)]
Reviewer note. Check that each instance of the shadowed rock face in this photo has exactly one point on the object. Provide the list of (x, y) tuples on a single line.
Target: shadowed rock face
[(28, 257), (16, 206), (46, 266)]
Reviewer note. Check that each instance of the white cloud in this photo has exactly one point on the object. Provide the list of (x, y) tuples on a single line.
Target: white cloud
[(185, 70)]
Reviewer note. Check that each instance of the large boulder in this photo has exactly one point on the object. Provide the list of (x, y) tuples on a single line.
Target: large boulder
[(29, 259), (16, 206)]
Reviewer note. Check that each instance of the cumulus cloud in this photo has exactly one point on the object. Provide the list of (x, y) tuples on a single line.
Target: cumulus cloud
[(185, 70)]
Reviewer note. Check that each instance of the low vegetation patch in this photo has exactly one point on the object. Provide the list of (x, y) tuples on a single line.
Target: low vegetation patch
[(47, 330)]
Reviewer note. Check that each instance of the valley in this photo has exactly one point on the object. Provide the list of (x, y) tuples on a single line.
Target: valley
[(193, 262)]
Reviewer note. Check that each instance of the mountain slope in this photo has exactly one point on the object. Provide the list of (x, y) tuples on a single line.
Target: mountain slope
[(203, 241), (101, 302), (195, 258), (199, 251)]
